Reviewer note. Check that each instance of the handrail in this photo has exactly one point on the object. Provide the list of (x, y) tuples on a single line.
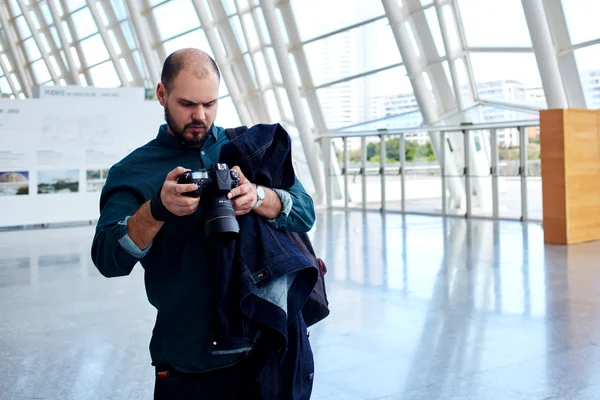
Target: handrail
[(454, 128)]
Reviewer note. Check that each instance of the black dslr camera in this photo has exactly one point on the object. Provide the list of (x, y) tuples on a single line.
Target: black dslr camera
[(213, 185)]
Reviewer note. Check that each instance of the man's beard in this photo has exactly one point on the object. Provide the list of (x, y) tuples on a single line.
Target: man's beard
[(191, 139)]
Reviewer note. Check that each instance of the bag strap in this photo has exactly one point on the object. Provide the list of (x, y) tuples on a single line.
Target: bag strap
[(232, 133)]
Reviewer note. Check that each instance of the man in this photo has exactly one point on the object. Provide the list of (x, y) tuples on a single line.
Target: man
[(144, 217)]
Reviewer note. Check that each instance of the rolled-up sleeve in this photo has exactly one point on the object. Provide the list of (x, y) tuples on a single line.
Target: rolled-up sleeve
[(128, 245), (297, 211), (113, 252)]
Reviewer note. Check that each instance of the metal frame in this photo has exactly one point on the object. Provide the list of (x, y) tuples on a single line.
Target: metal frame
[(37, 40), (141, 36), (126, 52), (235, 60), (382, 162), (228, 76), (346, 156), (84, 67), (545, 53), (493, 128), (156, 41), (566, 57), (467, 171), (73, 70), (523, 172), (54, 46), (494, 171), (289, 81), (363, 170), (107, 43)]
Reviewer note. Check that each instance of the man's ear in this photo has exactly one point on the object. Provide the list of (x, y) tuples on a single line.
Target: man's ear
[(161, 93)]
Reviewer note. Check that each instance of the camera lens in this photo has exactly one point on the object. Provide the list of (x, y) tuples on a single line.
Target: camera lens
[(220, 218)]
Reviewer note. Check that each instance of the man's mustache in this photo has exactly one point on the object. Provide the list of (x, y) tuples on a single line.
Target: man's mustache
[(195, 125)]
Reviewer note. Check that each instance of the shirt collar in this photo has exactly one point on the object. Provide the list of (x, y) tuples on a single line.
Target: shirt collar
[(172, 142)]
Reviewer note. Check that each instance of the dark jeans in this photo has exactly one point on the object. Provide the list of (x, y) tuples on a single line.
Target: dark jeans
[(222, 384)]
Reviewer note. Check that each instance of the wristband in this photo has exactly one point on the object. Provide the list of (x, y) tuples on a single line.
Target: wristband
[(158, 210)]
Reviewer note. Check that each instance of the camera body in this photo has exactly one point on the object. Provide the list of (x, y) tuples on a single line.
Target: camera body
[(217, 180), (213, 185)]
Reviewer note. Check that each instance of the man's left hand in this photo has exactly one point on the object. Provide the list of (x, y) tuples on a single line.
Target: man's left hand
[(244, 196)]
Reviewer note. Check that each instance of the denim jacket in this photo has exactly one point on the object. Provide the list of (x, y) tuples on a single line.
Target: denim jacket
[(263, 279)]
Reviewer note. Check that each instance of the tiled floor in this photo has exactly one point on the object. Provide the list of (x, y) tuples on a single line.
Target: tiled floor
[(422, 308)]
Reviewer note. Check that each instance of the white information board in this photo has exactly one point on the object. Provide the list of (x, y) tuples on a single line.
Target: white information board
[(90, 92), (55, 153)]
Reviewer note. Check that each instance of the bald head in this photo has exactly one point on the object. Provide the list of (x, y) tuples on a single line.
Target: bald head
[(192, 60)]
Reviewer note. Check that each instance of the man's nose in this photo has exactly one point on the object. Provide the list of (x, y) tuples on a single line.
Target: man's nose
[(199, 113)]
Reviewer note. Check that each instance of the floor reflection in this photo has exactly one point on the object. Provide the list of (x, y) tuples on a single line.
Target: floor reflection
[(422, 308)]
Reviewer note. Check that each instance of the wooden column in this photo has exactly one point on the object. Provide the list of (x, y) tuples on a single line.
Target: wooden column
[(570, 146)]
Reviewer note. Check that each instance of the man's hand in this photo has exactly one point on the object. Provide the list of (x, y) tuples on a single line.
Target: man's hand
[(244, 196), (172, 198)]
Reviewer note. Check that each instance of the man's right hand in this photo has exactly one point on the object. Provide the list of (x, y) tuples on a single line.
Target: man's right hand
[(171, 194)]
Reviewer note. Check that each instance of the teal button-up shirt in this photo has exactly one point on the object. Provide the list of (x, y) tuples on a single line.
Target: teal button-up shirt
[(179, 283)]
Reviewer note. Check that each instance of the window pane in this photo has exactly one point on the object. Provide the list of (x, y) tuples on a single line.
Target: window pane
[(138, 62), (126, 29), (55, 37), (103, 17), (175, 17), (436, 32), (4, 86), (119, 9), (196, 39), (105, 75), (14, 7), (453, 31), (6, 62), (75, 57), (55, 66), (236, 25), (494, 23), (507, 77), (44, 42), (261, 69), (262, 25), (250, 27), (31, 49), (350, 52), (67, 32), (22, 27), (272, 60), (34, 20), (46, 13), (582, 19), (332, 15), (74, 4), (40, 71), (125, 68), (587, 63), (463, 79), (367, 98), (229, 6), (227, 115), (94, 50), (114, 41), (84, 23)]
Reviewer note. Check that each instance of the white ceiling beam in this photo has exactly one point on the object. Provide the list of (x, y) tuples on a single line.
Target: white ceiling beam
[(143, 41), (10, 43)]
